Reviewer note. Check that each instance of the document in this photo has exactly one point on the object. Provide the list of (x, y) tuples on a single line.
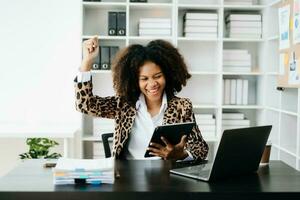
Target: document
[(284, 22), (296, 22)]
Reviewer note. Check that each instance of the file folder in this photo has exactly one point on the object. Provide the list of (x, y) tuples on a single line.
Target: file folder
[(112, 23), (104, 58), (121, 23)]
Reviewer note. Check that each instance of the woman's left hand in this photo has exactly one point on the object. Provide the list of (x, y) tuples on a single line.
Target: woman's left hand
[(170, 151)]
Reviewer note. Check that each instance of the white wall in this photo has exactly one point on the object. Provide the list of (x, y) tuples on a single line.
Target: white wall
[(40, 53), (40, 43)]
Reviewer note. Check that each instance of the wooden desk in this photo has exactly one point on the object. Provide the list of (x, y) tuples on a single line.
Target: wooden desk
[(151, 180)]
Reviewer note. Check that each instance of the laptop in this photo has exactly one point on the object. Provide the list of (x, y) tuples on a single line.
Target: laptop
[(239, 152)]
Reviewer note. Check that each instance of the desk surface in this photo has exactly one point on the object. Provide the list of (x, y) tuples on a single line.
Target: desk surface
[(151, 180)]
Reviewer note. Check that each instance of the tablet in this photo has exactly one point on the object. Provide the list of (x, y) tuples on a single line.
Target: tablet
[(172, 132)]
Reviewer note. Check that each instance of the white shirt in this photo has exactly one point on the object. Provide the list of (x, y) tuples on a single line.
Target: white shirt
[(143, 128), (143, 125)]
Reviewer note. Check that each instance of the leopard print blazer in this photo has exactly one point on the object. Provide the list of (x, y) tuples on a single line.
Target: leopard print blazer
[(178, 110)]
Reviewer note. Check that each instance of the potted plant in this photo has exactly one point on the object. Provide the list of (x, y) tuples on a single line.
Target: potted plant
[(39, 148)]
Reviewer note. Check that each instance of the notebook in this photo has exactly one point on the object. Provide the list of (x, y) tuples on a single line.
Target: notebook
[(239, 152)]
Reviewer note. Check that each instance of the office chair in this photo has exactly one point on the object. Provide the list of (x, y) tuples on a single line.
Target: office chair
[(105, 137)]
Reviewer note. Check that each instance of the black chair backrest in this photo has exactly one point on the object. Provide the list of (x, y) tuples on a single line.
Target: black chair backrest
[(105, 137)]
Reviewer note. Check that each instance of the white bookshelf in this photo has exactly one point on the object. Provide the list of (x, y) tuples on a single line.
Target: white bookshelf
[(204, 58)]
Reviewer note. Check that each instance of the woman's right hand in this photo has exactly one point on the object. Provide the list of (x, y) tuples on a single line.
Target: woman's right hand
[(90, 50)]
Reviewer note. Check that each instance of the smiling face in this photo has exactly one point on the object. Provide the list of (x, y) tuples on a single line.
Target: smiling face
[(152, 82)]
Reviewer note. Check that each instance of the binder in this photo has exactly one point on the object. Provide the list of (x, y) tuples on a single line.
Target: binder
[(112, 23), (233, 91), (96, 64), (113, 51), (104, 58), (121, 23)]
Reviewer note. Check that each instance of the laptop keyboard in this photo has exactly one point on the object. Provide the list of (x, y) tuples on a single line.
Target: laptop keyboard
[(201, 170)]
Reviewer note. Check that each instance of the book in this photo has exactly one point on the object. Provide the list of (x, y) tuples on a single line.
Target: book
[(234, 51), (237, 63), (104, 58), (155, 20), (199, 29), (154, 32), (239, 91), (196, 22), (227, 94), (236, 122), (237, 69), (87, 171), (206, 122), (248, 24), (233, 116), (236, 57), (121, 23), (233, 91), (239, 35), (245, 30), (210, 16), (239, 3), (201, 35), (112, 23), (145, 25), (245, 92), (84, 165), (243, 17)]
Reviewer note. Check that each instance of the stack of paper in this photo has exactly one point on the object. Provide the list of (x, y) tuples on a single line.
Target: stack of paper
[(207, 125), (89, 171), (244, 25), (240, 2), (235, 91), (234, 120), (155, 26), (204, 25), (236, 60)]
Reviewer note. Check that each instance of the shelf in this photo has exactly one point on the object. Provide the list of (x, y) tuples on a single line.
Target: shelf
[(107, 5), (150, 37), (204, 73), (242, 107), (195, 106), (282, 111), (105, 37), (289, 113), (244, 7), (197, 39), (202, 55), (149, 5), (101, 71), (285, 150), (272, 73), (243, 40), (244, 73), (198, 6), (274, 3)]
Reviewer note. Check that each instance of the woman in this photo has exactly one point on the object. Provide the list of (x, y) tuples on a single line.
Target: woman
[(145, 79)]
